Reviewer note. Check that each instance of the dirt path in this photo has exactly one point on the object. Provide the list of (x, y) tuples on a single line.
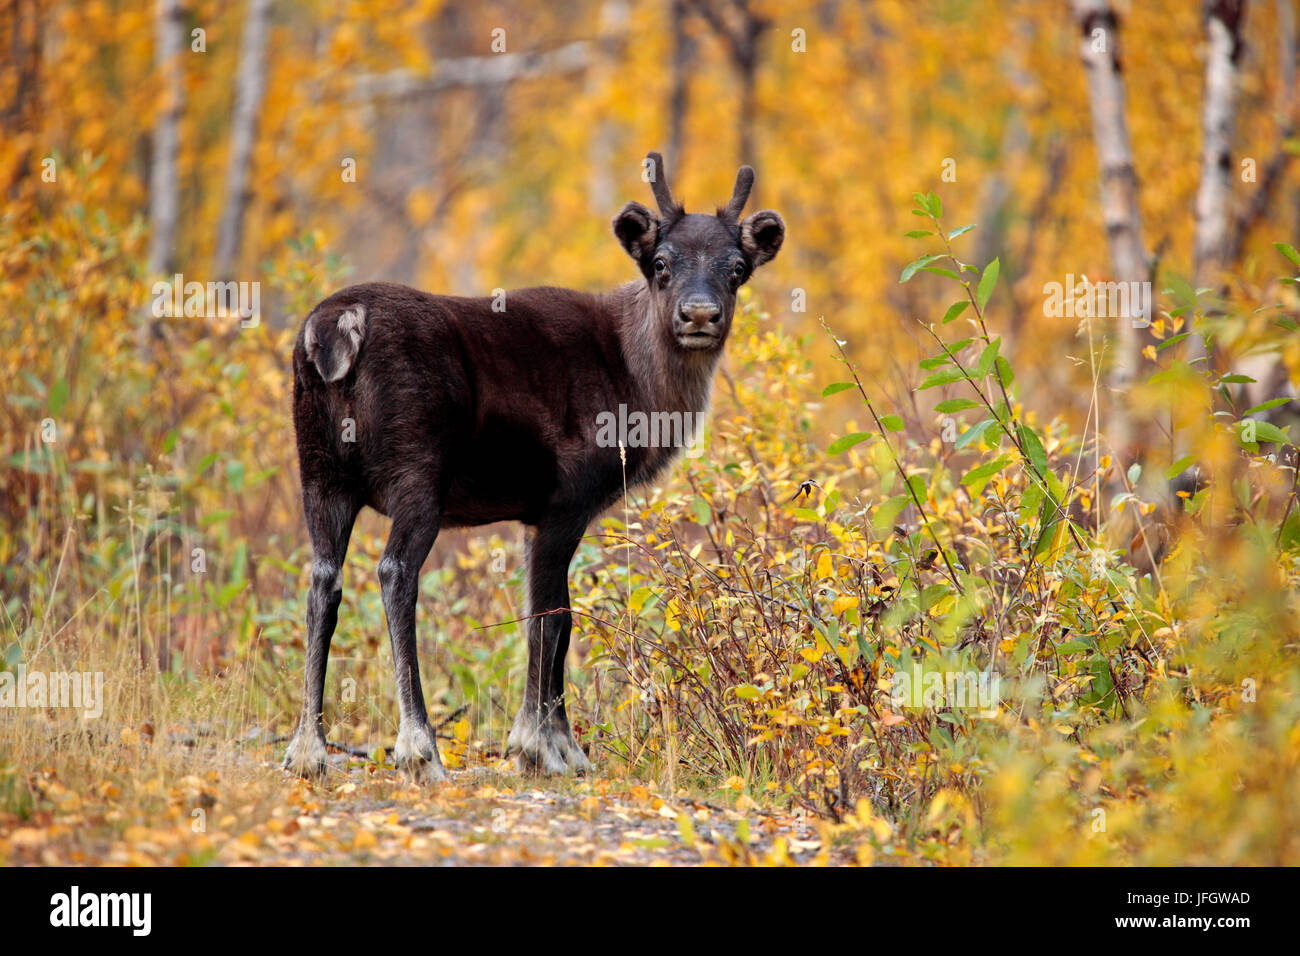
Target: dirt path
[(250, 813)]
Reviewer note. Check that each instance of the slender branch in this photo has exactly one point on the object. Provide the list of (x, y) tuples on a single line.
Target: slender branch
[(943, 552)]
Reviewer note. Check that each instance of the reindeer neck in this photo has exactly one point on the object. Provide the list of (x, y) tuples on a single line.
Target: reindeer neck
[(667, 378)]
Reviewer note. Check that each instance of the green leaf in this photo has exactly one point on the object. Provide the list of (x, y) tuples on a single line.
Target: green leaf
[(888, 512), (93, 467), (1055, 487), (1073, 647), (954, 310), (892, 422), (1172, 340), (229, 593), (915, 265), (215, 517), (846, 442), (987, 358), (1048, 534), (987, 281), (701, 510), (945, 376), (960, 232), (1271, 403), (977, 478), (1033, 446), (1288, 251), (1180, 466), (940, 271), (1182, 292), (974, 433), (58, 397), (918, 234), (32, 461), (836, 388), (1267, 432), (955, 405)]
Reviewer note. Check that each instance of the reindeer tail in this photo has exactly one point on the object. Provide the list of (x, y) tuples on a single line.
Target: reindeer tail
[(333, 338)]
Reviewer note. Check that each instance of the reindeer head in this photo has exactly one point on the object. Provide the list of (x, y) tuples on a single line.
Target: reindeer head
[(694, 263)]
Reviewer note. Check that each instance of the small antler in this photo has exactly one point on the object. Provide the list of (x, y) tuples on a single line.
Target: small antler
[(740, 195), (659, 183)]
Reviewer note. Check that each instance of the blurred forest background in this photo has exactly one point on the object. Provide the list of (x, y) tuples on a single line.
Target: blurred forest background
[(461, 147), (151, 524)]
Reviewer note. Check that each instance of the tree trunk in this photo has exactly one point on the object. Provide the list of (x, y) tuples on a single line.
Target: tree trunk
[(1099, 29), (249, 91), (164, 183), (740, 31), (23, 22), (1223, 24), (683, 51), (1272, 173)]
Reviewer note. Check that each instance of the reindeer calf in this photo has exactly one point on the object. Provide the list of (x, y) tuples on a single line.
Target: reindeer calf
[(440, 413)]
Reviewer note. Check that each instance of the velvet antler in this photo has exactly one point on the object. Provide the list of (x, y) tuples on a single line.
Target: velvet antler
[(668, 207), (740, 195)]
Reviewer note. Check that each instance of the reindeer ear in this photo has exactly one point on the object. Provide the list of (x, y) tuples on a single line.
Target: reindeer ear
[(761, 236), (638, 230)]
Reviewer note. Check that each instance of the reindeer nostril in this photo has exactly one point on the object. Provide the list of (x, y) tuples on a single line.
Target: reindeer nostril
[(698, 312)]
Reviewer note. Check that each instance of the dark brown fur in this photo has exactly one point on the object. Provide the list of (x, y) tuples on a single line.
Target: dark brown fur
[(459, 415)]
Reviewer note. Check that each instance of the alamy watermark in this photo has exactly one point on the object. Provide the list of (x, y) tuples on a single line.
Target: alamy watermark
[(212, 300), (638, 429), (957, 690), (1098, 300), (77, 690), (130, 910)]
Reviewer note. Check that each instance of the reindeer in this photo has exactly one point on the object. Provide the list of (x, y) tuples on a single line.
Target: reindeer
[(441, 413)]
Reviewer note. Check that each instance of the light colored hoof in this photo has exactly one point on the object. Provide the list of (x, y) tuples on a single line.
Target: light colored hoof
[(416, 753), (548, 749), (306, 755)]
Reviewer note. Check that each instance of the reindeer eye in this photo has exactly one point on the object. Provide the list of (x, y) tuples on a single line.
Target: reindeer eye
[(738, 270), (661, 265)]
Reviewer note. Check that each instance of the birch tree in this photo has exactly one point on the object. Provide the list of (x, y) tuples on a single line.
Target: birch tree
[(1273, 172), (1223, 26), (250, 89), (164, 183), (1099, 28)]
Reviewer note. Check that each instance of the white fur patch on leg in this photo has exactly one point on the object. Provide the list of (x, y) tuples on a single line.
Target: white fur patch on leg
[(306, 755), (416, 752), (545, 745)]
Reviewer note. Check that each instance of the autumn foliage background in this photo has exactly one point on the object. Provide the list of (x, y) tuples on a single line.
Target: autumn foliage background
[(737, 628)]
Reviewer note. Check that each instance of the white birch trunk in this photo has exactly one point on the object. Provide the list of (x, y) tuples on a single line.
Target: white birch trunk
[(249, 91), (164, 182), (1099, 45)]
